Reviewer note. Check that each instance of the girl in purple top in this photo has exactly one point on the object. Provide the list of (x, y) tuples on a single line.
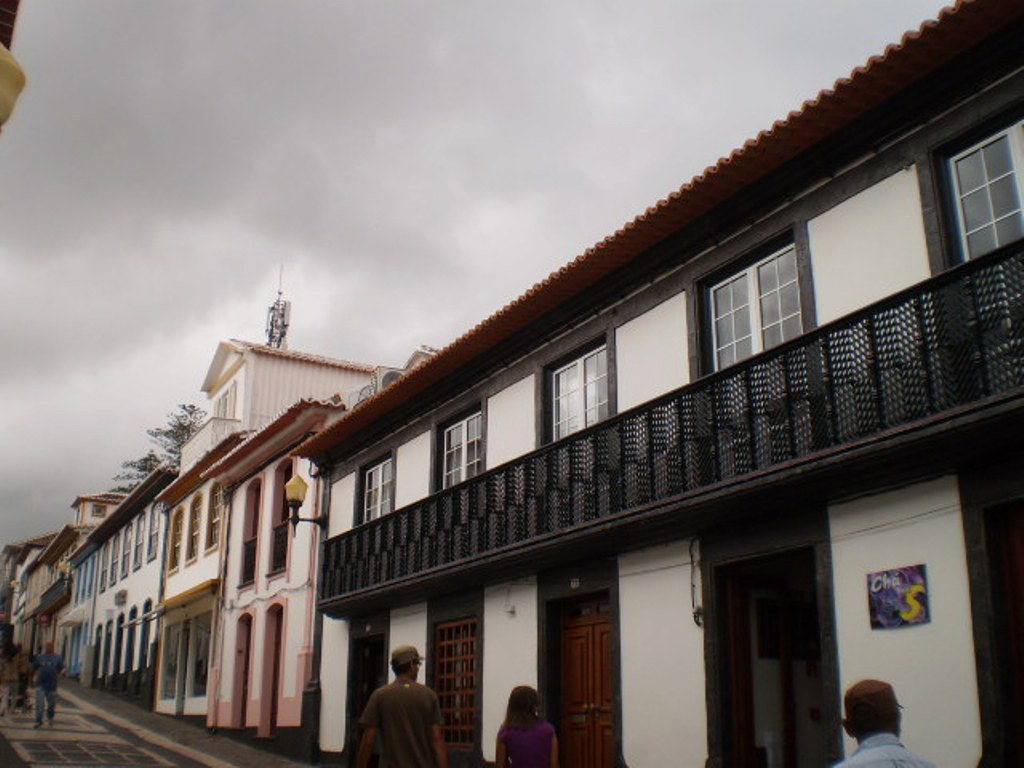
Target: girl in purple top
[(526, 741)]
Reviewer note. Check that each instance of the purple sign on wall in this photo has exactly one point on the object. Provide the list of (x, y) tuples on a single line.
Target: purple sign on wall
[(898, 597)]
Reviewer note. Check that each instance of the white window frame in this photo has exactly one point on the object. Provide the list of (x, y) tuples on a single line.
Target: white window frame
[(1015, 137), (115, 557), (461, 468), (126, 550), (154, 533), (754, 296), (140, 539), (576, 399), (378, 490), (104, 553)]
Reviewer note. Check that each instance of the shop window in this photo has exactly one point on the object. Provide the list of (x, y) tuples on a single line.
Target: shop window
[(169, 673), (455, 647), (201, 653)]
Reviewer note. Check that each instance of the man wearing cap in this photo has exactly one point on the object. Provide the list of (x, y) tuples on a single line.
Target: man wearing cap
[(873, 719), (406, 716)]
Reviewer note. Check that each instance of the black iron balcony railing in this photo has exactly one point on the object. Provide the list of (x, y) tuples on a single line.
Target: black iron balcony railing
[(953, 340), (248, 562), (279, 547)]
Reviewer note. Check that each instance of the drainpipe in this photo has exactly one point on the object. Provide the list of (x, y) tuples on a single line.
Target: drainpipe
[(227, 506), (312, 696)]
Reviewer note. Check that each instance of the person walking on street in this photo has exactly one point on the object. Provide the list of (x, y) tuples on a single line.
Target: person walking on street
[(8, 679), (524, 739), (48, 666), (406, 716), (873, 718)]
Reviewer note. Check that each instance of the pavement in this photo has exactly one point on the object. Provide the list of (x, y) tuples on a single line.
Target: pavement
[(98, 729)]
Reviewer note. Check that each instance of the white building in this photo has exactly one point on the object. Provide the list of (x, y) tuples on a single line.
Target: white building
[(248, 386), (759, 443)]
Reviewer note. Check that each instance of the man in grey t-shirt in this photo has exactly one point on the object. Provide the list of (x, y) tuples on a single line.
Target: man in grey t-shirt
[(407, 718)]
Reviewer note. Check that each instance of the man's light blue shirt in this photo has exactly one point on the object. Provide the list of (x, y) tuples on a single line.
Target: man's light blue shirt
[(883, 750)]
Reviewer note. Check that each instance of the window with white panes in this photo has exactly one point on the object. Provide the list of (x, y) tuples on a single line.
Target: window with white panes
[(463, 450), (378, 490), (140, 538), (988, 183), (154, 533), (126, 551), (580, 393), (756, 309), (115, 553), (103, 566)]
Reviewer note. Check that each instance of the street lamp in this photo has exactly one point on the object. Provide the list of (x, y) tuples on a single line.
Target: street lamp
[(295, 493)]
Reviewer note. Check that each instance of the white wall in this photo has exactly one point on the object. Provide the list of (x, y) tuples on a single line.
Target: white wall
[(510, 654), (650, 352), (408, 627), (869, 246), (931, 666), (664, 720), (412, 470), (333, 684), (510, 423), (342, 505)]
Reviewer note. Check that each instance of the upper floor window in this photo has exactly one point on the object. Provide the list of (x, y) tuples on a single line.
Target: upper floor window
[(756, 309), (98, 510), (250, 531), (115, 550), (154, 533), (140, 538), (279, 533), (580, 393), (378, 490), (224, 406), (126, 551), (988, 184), (103, 566), (177, 528), (195, 514), (463, 450), (213, 515)]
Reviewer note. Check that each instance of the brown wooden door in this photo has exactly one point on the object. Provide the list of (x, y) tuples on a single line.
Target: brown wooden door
[(588, 734)]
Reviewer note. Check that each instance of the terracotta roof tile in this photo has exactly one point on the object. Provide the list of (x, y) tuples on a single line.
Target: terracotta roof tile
[(919, 53)]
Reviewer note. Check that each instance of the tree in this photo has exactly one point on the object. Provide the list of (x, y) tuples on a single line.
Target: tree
[(181, 425)]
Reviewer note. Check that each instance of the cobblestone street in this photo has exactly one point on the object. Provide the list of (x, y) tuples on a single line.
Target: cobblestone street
[(92, 728)]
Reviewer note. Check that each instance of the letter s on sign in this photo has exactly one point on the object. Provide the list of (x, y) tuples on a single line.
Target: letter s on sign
[(914, 608)]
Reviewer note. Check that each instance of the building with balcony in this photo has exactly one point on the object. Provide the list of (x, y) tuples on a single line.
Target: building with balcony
[(759, 443), (119, 573), (14, 560), (248, 386)]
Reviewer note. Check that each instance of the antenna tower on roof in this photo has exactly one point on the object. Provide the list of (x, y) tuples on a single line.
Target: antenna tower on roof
[(278, 317)]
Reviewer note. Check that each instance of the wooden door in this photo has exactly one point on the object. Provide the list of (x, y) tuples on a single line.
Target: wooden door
[(243, 652), (369, 673), (275, 666), (588, 733), (1013, 560)]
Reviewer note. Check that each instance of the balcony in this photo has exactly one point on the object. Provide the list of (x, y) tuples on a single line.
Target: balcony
[(920, 365), (55, 596), (208, 436)]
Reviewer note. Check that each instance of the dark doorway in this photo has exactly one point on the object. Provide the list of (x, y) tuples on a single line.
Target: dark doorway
[(771, 648), (1009, 527), (587, 717), (243, 645), (369, 672)]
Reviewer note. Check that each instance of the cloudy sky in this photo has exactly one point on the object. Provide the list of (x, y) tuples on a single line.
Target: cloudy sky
[(412, 166)]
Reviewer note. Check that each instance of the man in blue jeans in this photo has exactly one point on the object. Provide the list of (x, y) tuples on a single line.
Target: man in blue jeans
[(48, 666)]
